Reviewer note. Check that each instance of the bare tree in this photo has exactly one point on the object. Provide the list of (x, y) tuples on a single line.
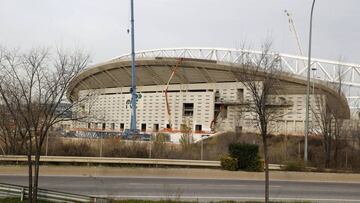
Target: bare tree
[(329, 121), (338, 122), (32, 86), (260, 75), (10, 140), (186, 138), (324, 119)]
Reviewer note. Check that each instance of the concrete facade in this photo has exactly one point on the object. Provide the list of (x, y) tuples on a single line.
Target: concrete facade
[(110, 108)]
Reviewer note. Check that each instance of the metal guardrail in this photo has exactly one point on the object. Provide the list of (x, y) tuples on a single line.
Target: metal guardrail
[(110, 160), (22, 192)]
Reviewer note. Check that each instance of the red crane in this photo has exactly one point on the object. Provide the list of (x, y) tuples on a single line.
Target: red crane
[(166, 90)]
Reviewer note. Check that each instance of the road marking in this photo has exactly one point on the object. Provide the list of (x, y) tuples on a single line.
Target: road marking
[(226, 198), (199, 184), (188, 184)]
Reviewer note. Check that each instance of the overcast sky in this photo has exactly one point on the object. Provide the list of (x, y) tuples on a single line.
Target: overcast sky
[(99, 26)]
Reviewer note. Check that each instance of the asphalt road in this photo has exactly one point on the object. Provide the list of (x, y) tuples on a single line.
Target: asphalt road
[(194, 189)]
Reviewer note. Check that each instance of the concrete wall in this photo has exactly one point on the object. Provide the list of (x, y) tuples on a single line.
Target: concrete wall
[(111, 107)]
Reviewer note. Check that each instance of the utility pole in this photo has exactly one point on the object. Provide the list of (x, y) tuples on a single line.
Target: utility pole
[(47, 145), (202, 149), (308, 89), (133, 73)]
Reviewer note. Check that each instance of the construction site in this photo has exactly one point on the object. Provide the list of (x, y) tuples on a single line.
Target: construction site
[(201, 91), (192, 90)]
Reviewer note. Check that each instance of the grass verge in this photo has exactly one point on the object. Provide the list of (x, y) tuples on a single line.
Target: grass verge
[(17, 200)]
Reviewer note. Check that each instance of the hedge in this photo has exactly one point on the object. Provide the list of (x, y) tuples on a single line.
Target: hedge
[(247, 156)]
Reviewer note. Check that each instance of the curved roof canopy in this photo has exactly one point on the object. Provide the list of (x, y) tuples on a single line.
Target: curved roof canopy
[(157, 70)]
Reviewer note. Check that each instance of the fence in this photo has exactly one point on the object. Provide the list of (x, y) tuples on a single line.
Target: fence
[(22, 192)]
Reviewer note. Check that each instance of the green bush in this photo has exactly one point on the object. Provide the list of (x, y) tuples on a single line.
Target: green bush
[(229, 163), (247, 156), (255, 165)]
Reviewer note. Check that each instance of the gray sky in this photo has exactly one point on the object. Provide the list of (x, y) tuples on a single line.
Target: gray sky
[(99, 26)]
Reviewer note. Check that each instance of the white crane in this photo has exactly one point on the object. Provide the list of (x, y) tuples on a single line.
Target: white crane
[(293, 30), (296, 35)]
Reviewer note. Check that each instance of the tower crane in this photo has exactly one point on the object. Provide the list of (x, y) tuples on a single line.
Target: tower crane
[(293, 30), (296, 35)]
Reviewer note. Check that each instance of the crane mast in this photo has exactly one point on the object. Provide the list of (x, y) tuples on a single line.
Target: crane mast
[(293, 30)]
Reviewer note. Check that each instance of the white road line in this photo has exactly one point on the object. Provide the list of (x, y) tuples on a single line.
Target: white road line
[(199, 185), (187, 184)]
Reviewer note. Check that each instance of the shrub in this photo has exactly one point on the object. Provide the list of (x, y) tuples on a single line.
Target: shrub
[(73, 148), (255, 165), (162, 137), (229, 163), (295, 166), (186, 140), (159, 145), (126, 149), (247, 156), (261, 165)]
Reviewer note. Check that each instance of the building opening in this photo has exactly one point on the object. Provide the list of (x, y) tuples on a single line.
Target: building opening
[(198, 128), (143, 127), (217, 110), (188, 109), (224, 111), (121, 126), (156, 127), (103, 126), (240, 95)]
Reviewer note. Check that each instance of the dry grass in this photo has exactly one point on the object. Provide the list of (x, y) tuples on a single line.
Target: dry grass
[(283, 149)]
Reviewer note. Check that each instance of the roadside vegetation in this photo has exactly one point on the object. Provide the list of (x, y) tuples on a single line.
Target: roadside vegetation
[(242, 157), (17, 200), (286, 150), (174, 201)]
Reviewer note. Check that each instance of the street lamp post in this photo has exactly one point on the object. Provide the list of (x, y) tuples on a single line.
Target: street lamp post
[(133, 126), (308, 89), (202, 149), (150, 145), (47, 145)]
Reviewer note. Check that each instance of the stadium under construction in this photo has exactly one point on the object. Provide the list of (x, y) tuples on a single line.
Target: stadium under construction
[(199, 90)]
